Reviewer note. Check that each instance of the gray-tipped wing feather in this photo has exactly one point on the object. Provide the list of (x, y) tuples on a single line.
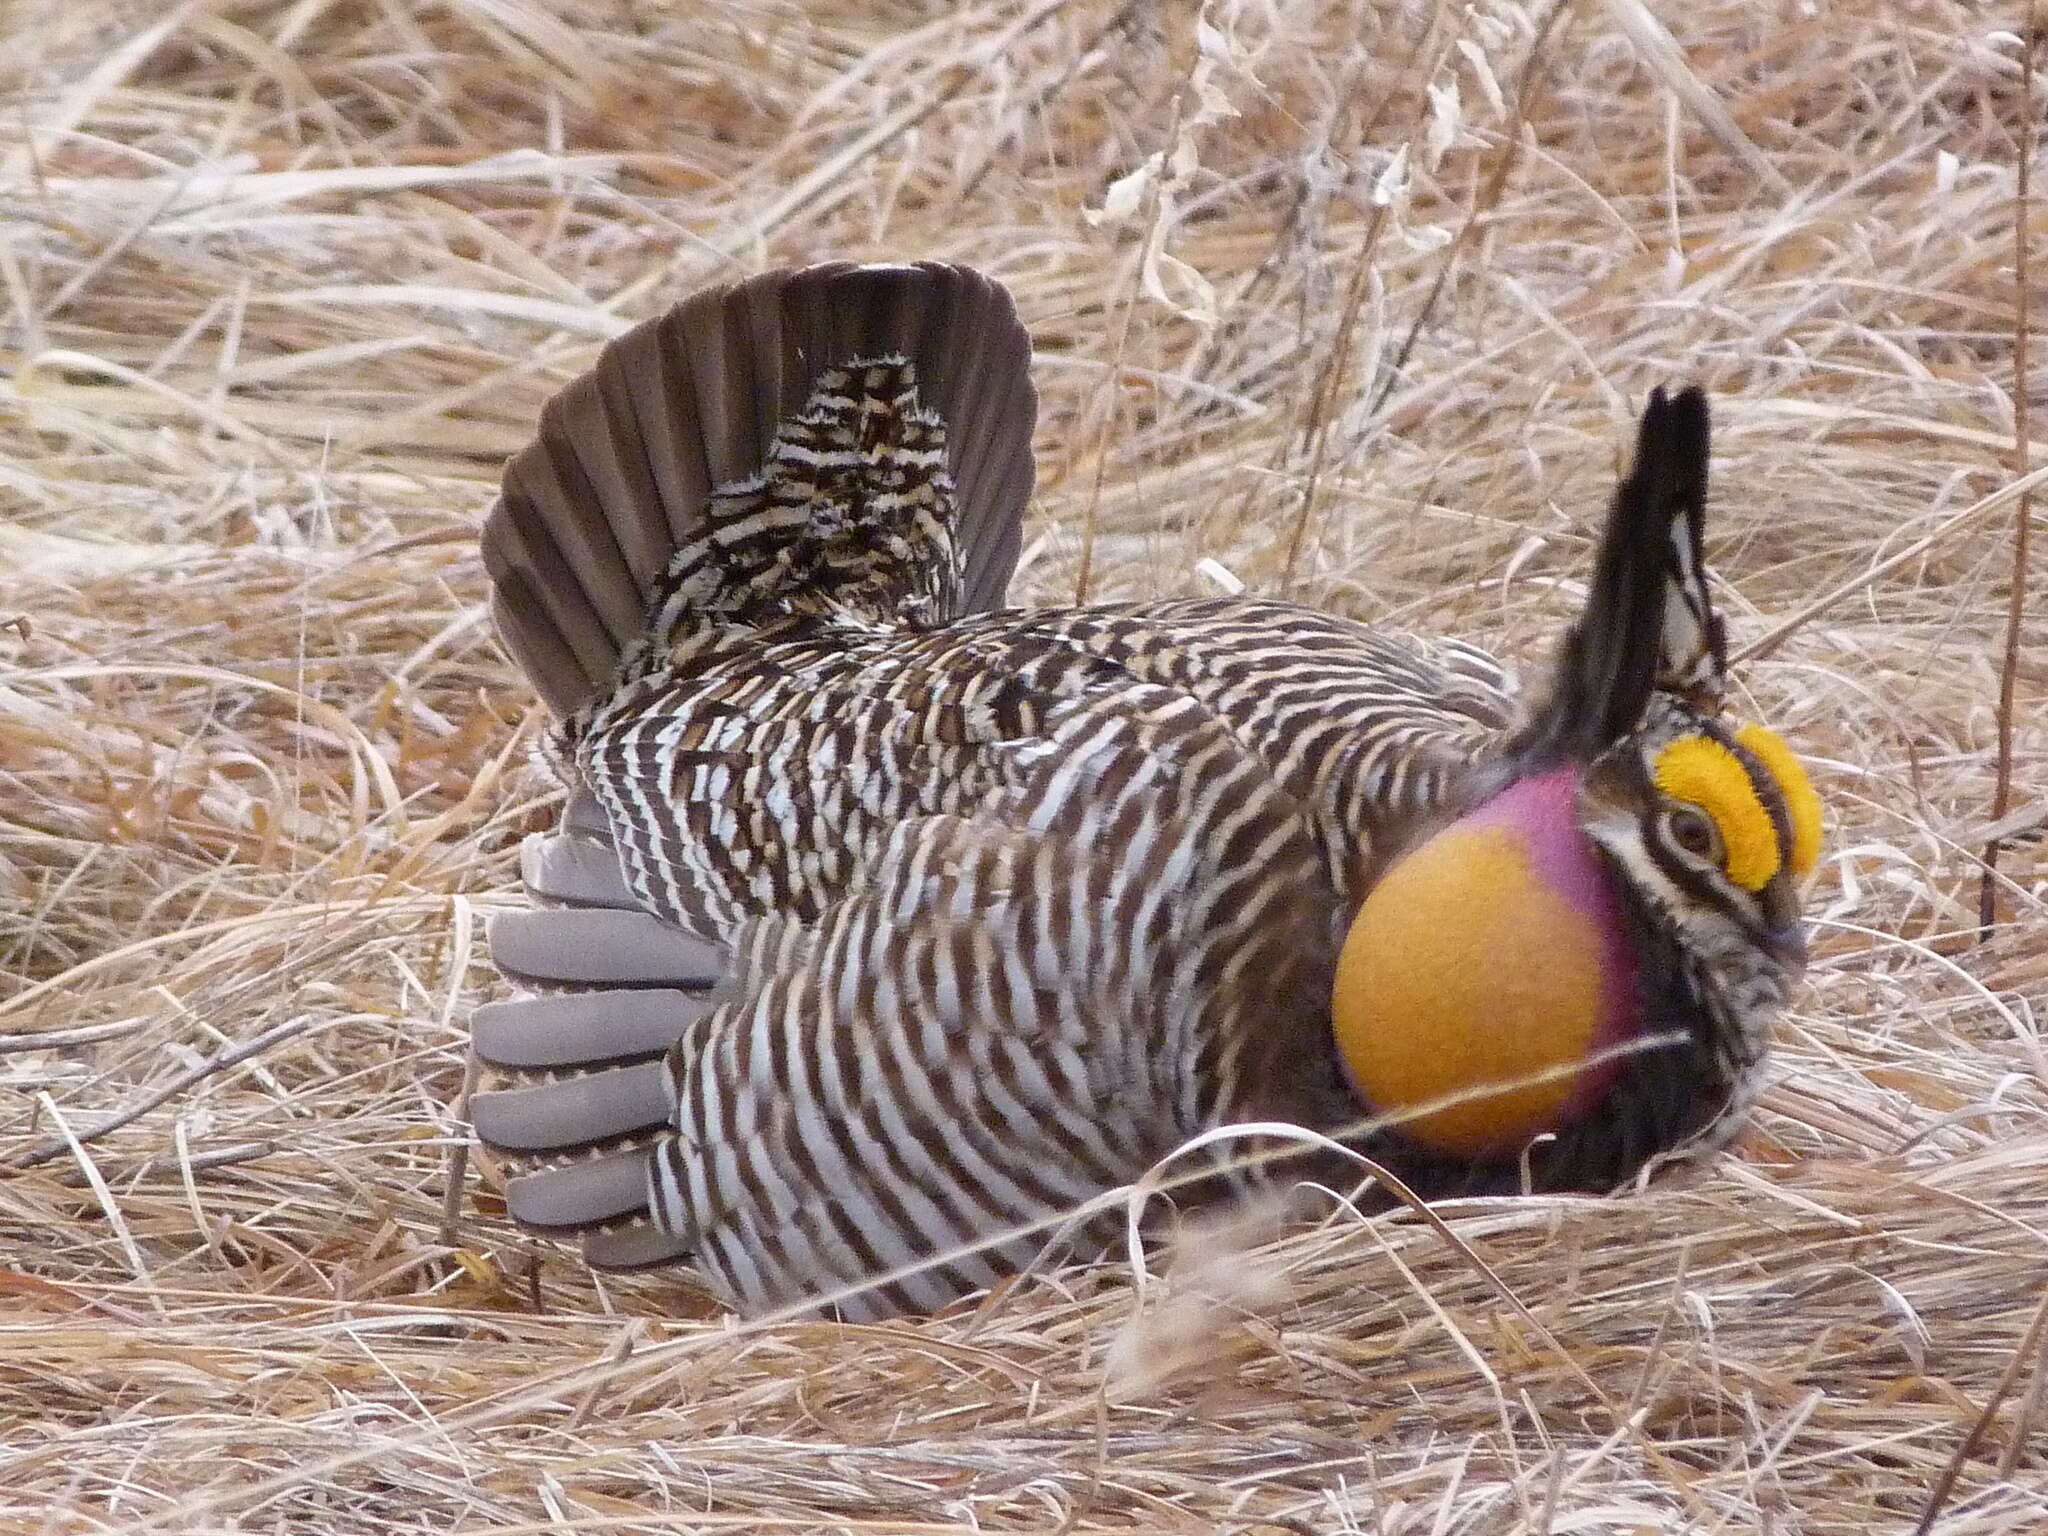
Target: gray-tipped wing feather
[(576, 871), (574, 1196), (578, 1029), (575, 1111), (598, 946)]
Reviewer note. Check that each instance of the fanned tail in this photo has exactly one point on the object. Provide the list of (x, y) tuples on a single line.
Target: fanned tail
[(842, 434)]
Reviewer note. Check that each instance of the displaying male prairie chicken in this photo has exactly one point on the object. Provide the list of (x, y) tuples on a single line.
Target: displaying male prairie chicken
[(1004, 905)]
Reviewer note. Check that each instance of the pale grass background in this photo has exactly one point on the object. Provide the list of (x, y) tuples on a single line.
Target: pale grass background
[(285, 279)]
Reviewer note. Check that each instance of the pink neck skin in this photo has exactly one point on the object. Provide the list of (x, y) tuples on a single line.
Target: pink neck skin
[(1543, 812)]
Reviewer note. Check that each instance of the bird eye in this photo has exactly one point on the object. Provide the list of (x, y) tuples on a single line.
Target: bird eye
[(1692, 831)]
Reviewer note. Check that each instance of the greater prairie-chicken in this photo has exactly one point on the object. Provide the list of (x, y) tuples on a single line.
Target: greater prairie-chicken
[(1003, 905)]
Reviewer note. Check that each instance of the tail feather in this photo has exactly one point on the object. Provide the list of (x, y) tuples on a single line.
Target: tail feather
[(630, 456), (544, 612), (989, 449)]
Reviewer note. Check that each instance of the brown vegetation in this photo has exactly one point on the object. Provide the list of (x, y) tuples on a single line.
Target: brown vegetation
[(1346, 300)]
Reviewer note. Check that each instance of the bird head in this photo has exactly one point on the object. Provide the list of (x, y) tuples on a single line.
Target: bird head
[(1610, 927)]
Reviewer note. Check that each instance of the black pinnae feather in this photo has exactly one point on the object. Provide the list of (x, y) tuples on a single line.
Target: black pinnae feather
[(1693, 650), (1612, 658)]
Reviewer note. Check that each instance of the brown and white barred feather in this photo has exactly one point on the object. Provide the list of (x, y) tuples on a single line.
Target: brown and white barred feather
[(1013, 1017), (762, 769)]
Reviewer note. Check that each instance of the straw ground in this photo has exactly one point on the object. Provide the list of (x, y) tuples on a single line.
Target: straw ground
[(1349, 301)]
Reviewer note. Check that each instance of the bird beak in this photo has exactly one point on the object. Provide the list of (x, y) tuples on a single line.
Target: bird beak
[(1787, 946)]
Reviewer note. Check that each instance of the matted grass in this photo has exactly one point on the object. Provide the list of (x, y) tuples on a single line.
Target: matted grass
[(285, 280)]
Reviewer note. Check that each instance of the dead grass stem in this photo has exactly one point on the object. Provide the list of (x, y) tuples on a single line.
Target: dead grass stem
[(1349, 298)]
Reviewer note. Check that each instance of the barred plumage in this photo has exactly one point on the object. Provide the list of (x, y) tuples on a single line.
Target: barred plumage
[(884, 929)]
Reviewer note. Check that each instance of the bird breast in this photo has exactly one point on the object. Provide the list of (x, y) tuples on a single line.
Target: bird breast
[(1493, 954)]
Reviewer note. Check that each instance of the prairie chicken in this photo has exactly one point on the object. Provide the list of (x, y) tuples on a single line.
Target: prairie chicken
[(885, 925)]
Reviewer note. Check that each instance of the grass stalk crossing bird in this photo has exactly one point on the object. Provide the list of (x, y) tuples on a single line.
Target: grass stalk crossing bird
[(884, 921)]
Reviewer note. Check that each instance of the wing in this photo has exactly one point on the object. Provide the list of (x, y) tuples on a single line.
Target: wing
[(909, 1094), (767, 782), (1377, 736)]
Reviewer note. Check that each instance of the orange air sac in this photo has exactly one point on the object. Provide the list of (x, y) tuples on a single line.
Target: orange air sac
[(1493, 952)]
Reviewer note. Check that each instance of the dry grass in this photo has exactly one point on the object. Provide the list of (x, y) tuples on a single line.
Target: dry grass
[(285, 279)]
